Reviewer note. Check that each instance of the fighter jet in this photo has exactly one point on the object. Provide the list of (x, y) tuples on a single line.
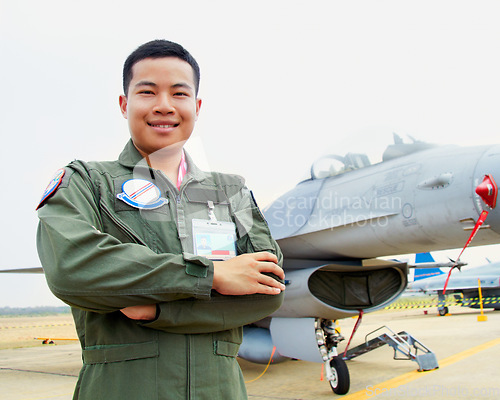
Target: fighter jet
[(465, 283), (333, 226)]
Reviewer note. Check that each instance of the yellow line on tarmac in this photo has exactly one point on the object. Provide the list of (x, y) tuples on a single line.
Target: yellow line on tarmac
[(374, 390)]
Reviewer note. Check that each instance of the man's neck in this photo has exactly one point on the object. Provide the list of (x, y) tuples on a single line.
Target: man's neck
[(166, 160)]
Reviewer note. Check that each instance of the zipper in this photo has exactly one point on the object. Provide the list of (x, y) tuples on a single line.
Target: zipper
[(183, 187), (124, 228), (176, 193), (189, 394)]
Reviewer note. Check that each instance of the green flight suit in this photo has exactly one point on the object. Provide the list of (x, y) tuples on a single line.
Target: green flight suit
[(100, 255)]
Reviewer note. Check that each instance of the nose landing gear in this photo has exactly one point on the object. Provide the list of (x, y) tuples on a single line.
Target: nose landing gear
[(335, 367)]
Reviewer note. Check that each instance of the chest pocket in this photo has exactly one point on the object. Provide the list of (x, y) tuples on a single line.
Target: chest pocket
[(154, 228), (199, 198)]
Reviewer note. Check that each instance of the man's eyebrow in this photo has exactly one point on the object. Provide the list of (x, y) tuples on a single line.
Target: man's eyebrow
[(145, 83), (182, 85)]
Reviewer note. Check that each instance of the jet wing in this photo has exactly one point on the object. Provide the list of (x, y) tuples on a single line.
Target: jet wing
[(37, 270)]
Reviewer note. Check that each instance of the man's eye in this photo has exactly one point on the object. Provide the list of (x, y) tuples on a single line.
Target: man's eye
[(146, 92), (180, 94)]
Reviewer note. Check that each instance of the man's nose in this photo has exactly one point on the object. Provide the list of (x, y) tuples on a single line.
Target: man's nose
[(163, 104)]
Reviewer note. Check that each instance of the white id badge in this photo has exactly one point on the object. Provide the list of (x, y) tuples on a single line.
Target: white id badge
[(215, 240)]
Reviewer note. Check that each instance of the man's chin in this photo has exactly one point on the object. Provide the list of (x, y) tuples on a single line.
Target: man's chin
[(161, 150)]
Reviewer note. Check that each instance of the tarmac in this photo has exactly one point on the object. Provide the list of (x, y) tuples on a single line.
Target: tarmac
[(467, 350)]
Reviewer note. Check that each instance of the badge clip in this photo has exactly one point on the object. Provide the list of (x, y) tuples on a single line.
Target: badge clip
[(211, 211)]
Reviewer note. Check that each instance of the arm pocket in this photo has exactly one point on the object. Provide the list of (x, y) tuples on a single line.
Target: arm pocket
[(252, 226)]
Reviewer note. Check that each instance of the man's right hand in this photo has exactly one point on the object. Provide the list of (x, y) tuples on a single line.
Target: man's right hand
[(244, 274)]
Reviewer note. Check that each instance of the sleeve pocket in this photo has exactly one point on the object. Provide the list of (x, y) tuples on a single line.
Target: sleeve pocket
[(251, 223)]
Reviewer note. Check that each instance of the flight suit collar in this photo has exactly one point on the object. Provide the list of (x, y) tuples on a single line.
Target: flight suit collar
[(131, 158), (193, 171)]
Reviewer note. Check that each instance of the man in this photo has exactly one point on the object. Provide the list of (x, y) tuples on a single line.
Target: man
[(155, 319)]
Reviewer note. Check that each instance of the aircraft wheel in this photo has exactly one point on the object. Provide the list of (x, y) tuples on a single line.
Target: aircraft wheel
[(443, 311), (340, 381)]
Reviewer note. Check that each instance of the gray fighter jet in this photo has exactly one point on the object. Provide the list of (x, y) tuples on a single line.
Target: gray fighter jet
[(331, 228)]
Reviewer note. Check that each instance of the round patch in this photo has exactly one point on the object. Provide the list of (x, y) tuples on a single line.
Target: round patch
[(140, 193), (52, 186)]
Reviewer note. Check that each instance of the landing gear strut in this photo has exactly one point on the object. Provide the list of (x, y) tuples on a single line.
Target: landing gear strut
[(335, 367)]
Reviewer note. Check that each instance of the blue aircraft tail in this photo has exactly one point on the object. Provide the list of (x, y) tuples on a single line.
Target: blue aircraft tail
[(422, 273)]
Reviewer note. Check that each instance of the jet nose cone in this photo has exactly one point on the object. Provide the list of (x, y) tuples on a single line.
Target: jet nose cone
[(485, 191), (488, 191)]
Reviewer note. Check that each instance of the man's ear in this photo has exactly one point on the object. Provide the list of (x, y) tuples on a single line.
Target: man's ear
[(123, 105), (198, 106)]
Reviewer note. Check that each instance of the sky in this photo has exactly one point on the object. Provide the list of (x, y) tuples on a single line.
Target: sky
[(283, 82)]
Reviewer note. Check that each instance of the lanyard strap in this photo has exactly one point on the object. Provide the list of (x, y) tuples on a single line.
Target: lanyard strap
[(182, 170)]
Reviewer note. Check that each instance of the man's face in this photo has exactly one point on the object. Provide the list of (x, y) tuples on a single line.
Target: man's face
[(161, 105)]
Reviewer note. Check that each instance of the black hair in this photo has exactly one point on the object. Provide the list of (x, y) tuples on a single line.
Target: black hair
[(158, 49)]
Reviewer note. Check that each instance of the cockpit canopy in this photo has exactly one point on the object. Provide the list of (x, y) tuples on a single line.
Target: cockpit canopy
[(332, 165)]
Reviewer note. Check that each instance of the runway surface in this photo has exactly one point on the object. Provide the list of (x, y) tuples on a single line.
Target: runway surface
[(468, 352)]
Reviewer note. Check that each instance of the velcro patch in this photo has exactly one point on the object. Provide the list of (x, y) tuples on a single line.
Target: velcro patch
[(52, 186)]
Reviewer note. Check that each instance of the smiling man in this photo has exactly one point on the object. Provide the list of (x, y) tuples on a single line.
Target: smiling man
[(118, 241)]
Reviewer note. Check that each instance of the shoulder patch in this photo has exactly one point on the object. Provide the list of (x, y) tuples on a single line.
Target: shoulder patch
[(52, 186)]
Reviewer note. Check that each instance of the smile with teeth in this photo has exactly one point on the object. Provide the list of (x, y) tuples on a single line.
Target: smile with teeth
[(163, 125)]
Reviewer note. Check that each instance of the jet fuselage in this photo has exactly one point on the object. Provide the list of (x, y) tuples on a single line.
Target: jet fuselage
[(424, 201)]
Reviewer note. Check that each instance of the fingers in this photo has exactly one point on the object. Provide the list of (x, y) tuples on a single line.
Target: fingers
[(142, 312), (248, 274), (263, 289), (271, 283), (271, 268), (265, 256), (268, 263)]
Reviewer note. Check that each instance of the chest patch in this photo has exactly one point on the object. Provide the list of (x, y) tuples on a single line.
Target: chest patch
[(140, 193)]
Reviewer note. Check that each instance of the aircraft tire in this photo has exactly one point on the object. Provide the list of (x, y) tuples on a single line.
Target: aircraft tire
[(341, 382), (443, 311)]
